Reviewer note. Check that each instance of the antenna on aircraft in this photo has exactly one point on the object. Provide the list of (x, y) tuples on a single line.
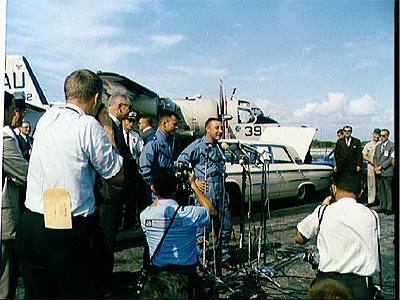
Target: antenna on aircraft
[(233, 93)]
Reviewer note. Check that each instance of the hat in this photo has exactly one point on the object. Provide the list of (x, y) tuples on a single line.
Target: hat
[(132, 115), (19, 99), (377, 130)]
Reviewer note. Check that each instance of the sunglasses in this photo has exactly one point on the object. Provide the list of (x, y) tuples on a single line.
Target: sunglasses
[(346, 130), (384, 135)]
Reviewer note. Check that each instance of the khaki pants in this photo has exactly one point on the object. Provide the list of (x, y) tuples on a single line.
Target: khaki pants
[(371, 181)]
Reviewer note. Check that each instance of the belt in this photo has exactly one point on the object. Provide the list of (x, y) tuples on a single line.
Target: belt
[(346, 275)]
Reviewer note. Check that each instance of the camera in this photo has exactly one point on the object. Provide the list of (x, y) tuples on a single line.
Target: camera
[(312, 257), (184, 192)]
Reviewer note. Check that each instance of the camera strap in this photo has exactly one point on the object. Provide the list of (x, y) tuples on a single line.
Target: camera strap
[(165, 233), (379, 253), (320, 215)]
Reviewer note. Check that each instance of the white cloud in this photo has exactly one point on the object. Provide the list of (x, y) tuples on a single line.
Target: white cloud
[(363, 106), (277, 111), (166, 40), (335, 103)]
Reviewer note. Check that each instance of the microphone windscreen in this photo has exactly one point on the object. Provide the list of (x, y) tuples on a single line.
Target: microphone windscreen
[(224, 146)]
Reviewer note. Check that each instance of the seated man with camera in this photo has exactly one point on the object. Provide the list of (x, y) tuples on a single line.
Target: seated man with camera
[(176, 249), (347, 236)]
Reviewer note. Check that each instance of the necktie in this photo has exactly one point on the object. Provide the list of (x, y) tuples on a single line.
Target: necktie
[(127, 138), (348, 142)]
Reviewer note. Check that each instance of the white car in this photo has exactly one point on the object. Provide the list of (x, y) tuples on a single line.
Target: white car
[(286, 176)]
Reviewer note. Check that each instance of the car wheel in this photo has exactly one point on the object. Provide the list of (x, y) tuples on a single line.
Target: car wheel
[(304, 192)]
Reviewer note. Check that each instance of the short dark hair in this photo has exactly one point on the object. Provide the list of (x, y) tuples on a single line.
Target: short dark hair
[(386, 130), (209, 120), (165, 182), (8, 99), (82, 85), (340, 131), (165, 285), (330, 289), (167, 114), (348, 180), (348, 126), (148, 120)]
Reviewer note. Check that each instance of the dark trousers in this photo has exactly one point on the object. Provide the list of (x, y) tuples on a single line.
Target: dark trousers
[(110, 219), (55, 263), (362, 287), (385, 192)]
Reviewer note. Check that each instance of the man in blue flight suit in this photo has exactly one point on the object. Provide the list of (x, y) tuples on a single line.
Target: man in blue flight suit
[(159, 150), (206, 158), (177, 253)]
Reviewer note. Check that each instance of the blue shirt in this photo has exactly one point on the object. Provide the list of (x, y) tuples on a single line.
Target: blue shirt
[(157, 152), (200, 151), (70, 147), (179, 245)]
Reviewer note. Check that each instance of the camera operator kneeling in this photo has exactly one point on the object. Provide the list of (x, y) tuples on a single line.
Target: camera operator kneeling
[(177, 253), (348, 236)]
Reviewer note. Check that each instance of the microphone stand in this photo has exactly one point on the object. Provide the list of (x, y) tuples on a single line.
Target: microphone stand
[(221, 213), (242, 206)]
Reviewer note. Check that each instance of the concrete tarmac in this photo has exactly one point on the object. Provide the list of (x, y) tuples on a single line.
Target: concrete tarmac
[(292, 276)]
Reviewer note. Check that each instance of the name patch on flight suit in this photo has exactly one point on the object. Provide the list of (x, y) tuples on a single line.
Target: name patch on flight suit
[(161, 223)]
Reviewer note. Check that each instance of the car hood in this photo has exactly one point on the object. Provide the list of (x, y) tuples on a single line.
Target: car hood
[(299, 138)]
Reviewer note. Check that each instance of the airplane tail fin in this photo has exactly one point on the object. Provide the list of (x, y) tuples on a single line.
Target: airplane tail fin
[(20, 79), (221, 98)]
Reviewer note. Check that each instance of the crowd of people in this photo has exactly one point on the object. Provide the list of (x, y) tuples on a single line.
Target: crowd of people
[(379, 155), (87, 166), (89, 170), (347, 231)]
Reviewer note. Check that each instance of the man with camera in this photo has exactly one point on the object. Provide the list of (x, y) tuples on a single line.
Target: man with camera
[(347, 236), (177, 252), (72, 143)]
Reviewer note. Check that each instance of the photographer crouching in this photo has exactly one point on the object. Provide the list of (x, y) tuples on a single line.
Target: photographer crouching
[(171, 229), (347, 236)]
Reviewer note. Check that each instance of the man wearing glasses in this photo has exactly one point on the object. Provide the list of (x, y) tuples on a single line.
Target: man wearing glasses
[(384, 171), (110, 199), (348, 153)]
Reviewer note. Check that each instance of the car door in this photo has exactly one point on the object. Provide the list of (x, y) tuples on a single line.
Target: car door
[(274, 177), (288, 171)]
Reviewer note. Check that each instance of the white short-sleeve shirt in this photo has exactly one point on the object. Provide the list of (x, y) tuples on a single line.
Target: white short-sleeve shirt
[(347, 240), (70, 147)]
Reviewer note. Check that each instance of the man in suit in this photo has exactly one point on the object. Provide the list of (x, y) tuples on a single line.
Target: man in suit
[(25, 141), (145, 128), (111, 199), (348, 154), (134, 142), (384, 171), (15, 170)]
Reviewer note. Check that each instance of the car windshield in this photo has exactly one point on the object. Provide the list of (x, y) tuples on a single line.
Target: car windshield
[(274, 154)]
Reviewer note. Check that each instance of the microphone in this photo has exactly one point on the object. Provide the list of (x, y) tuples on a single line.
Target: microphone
[(220, 152), (233, 149)]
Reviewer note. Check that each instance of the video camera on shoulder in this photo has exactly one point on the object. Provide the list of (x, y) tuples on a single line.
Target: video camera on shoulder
[(184, 193)]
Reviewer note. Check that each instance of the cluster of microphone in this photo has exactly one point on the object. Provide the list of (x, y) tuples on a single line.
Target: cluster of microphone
[(244, 153)]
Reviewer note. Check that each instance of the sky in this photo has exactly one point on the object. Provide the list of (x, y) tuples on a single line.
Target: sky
[(321, 64)]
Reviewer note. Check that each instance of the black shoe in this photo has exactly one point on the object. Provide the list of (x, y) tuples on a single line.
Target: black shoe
[(370, 204), (380, 210), (388, 212)]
